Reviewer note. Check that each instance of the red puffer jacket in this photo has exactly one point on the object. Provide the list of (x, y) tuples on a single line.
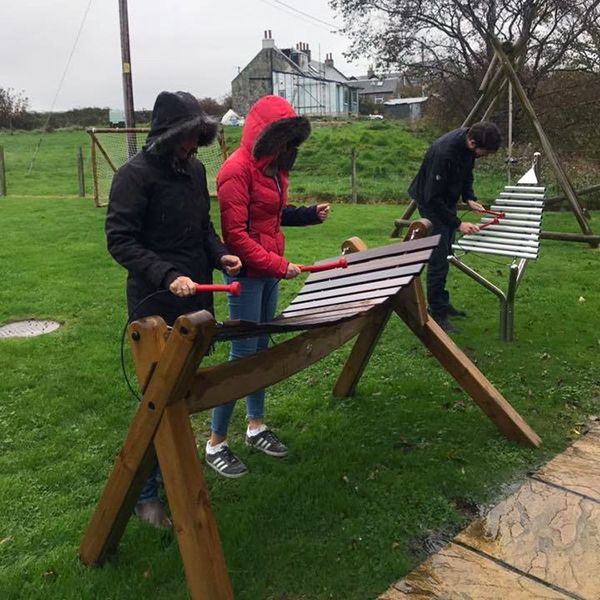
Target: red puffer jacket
[(253, 204)]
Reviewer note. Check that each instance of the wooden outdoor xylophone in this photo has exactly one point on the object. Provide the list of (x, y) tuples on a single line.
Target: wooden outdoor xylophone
[(353, 299)]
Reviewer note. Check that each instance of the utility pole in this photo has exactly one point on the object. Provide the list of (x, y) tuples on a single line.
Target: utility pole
[(127, 83)]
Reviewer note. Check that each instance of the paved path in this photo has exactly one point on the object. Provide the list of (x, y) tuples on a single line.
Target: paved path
[(542, 542)]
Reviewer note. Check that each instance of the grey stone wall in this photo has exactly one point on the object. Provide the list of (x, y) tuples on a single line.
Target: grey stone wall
[(256, 79)]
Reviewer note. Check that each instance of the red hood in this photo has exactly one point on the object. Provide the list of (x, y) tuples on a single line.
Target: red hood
[(270, 125), (265, 111)]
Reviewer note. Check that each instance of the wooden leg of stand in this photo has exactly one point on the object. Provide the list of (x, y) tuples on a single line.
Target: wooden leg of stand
[(189, 340), (194, 523), (148, 339), (360, 355), (411, 309)]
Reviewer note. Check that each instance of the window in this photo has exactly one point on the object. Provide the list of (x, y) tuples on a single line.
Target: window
[(378, 100)]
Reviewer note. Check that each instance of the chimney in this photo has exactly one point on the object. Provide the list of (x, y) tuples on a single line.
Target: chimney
[(307, 51), (268, 41), (329, 60), (299, 56), (370, 73)]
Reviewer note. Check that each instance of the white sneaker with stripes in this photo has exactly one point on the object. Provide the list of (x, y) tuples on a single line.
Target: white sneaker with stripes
[(266, 441), (224, 461)]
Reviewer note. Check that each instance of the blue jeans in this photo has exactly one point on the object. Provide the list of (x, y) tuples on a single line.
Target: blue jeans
[(257, 302), (150, 490)]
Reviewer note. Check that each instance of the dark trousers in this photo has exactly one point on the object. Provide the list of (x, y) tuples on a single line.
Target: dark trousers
[(438, 297)]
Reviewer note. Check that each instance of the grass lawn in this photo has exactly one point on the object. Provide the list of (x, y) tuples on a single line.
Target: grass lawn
[(371, 483), (388, 156)]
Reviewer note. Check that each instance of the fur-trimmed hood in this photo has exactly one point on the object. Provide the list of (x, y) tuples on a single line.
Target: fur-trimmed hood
[(174, 114), (270, 127)]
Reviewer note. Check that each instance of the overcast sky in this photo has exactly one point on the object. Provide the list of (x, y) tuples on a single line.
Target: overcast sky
[(192, 45)]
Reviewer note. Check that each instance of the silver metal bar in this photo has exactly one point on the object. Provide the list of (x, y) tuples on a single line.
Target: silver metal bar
[(453, 260), (492, 245), (521, 264), (518, 210), (509, 307), (524, 188), (519, 221), (521, 194), (487, 232), (535, 230), (498, 238), (516, 254), (488, 285), (511, 202)]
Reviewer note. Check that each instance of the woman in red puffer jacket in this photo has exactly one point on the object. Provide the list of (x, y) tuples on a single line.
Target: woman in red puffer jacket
[(252, 190)]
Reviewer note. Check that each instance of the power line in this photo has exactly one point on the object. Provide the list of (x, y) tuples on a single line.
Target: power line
[(60, 83), (315, 20)]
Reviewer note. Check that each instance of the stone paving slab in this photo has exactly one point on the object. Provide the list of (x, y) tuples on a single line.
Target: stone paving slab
[(578, 468), (541, 542), (546, 532), (458, 573)]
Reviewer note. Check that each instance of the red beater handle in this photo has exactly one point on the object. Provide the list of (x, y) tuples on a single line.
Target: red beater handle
[(233, 288), (340, 263), (494, 221), (485, 211)]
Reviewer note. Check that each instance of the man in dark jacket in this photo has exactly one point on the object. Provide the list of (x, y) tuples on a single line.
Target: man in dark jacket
[(158, 227), (445, 175)]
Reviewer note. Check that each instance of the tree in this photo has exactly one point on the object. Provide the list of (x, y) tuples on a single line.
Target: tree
[(13, 107), (213, 107), (434, 40)]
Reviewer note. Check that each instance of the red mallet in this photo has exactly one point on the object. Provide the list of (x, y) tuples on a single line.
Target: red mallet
[(494, 221), (485, 211), (233, 288), (497, 216), (340, 263)]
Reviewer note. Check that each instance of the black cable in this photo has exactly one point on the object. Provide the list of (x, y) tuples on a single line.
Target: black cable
[(127, 323), (132, 317)]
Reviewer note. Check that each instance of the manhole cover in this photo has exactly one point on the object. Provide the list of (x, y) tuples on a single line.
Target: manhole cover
[(27, 328)]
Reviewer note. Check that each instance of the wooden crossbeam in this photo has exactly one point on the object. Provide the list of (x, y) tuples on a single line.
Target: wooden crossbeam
[(220, 384)]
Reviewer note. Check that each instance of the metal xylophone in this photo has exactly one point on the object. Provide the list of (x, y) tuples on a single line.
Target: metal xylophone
[(511, 228)]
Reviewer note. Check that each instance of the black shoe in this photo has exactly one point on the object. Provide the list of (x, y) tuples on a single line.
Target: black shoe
[(266, 441), (226, 463), (455, 312), (446, 325)]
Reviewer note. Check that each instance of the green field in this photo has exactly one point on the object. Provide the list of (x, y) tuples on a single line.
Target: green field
[(372, 483), (388, 156)]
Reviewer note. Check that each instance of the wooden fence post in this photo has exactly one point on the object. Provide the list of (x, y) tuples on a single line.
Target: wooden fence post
[(80, 176), (2, 173), (354, 181)]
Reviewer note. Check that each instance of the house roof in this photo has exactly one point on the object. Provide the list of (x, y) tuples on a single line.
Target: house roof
[(377, 86), (328, 72), (316, 69)]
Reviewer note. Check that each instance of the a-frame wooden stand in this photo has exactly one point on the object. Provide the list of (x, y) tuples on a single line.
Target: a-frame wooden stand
[(502, 70), (174, 387)]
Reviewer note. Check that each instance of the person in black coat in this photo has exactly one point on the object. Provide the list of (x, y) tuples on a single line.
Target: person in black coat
[(446, 174), (158, 227)]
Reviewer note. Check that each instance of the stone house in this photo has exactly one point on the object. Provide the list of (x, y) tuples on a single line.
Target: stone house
[(312, 87)]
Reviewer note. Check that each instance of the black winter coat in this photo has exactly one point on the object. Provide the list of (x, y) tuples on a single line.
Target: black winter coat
[(158, 227), (446, 174)]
